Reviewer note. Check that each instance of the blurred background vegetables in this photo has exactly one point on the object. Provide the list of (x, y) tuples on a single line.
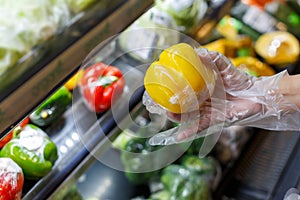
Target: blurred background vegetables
[(28, 23)]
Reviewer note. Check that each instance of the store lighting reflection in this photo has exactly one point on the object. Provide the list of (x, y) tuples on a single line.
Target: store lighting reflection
[(75, 136), (63, 149), (275, 44), (69, 143)]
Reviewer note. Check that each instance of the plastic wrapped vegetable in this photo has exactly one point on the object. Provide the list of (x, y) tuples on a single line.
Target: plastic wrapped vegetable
[(11, 180), (240, 46), (207, 167), (53, 108), (137, 160), (237, 99), (10, 135), (187, 14), (231, 143), (253, 66), (184, 184), (148, 35), (161, 195), (177, 79), (278, 47), (32, 150), (99, 84), (27, 23), (232, 28)]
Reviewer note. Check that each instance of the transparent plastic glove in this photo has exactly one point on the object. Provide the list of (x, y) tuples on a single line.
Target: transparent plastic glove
[(248, 101)]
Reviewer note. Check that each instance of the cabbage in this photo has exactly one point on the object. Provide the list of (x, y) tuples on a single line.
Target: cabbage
[(26, 23), (187, 14), (148, 35)]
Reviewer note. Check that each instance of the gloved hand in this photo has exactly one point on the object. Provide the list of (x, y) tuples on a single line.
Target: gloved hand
[(237, 99)]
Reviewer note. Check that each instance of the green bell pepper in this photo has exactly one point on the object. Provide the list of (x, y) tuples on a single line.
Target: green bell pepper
[(137, 164), (201, 166), (51, 109), (195, 146), (184, 184), (161, 195), (32, 150)]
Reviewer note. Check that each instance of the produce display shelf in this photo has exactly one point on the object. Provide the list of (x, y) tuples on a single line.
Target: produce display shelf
[(260, 171), (244, 178), (101, 172), (79, 131), (22, 98)]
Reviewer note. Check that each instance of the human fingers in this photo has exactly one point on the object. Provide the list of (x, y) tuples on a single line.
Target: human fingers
[(192, 115), (203, 124), (233, 78), (238, 109), (222, 63)]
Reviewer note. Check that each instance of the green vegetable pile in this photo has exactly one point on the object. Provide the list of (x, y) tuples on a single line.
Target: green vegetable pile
[(188, 178), (137, 158)]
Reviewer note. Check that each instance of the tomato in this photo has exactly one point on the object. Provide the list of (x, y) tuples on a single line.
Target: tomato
[(99, 83)]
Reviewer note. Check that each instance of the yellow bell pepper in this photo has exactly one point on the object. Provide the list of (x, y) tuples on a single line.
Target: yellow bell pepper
[(278, 47), (241, 46), (71, 83), (253, 66), (177, 77)]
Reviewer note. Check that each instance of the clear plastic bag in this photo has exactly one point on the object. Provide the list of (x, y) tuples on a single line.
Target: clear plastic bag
[(25, 24), (237, 99), (11, 179)]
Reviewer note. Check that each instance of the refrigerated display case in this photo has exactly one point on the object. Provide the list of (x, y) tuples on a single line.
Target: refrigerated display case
[(55, 60), (46, 68), (266, 167)]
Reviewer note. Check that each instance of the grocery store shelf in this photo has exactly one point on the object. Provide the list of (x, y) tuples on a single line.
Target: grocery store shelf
[(90, 165), (291, 176), (266, 170), (20, 101), (79, 130)]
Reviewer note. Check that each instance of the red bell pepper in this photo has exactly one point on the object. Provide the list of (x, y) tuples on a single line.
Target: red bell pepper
[(9, 136), (99, 83), (11, 180)]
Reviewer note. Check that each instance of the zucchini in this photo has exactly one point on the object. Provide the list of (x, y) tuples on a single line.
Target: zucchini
[(52, 109)]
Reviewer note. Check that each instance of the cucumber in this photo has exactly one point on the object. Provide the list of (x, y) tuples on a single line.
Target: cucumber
[(52, 109)]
